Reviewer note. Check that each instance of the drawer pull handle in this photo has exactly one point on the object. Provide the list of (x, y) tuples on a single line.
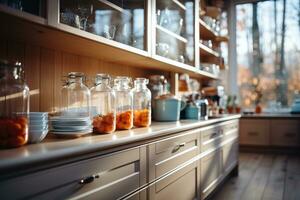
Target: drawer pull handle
[(252, 133), (88, 179), (177, 147), (213, 135)]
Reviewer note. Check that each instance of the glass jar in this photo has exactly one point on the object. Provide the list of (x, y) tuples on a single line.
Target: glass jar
[(124, 103), (14, 106), (141, 103), (76, 96), (103, 108)]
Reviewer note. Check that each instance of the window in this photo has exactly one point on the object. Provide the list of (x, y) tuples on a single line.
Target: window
[(268, 52)]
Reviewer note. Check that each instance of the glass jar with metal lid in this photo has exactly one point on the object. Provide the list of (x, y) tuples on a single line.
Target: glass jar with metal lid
[(14, 105), (103, 108), (124, 102), (77, 96), (141, 103)]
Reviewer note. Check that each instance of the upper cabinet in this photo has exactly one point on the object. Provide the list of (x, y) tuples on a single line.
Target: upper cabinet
[(168, 35), (33, 10), (122, 21), (174, 30)]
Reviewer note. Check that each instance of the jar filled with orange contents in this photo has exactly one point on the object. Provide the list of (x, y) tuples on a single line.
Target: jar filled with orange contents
[(103, 108), (124, 103), (14, 106), (141, 103)]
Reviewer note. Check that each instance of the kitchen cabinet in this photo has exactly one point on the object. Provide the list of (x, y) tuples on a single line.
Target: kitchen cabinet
[(33, 7), (271, 131), (172, 166), (154, 34), (255, 132), (179, 185), (285, 132), (109, 177), (121, 21), (174, 32), (211, 172), (167, 154), (230, 156)]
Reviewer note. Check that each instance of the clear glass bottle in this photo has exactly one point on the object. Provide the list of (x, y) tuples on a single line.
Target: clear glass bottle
[(14, 106), (78, 96), (103, 108), (141, 103), (124, 103)]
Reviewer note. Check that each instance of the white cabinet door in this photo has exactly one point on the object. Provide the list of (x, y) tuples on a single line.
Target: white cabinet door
[(211, 172), (179, 185)]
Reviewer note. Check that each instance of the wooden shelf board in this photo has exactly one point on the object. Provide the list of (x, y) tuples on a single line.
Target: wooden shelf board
[(206, 33), (24, 31), (206, 51), (170, 33), (179, 4)]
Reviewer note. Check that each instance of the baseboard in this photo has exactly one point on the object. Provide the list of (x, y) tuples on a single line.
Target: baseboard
[(269, 149)]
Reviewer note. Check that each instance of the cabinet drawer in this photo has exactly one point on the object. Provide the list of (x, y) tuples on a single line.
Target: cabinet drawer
[(230, 130), (211, 137), (255, 132), (167, 154), (230, 156), (107, 177), (179, 185), (285, 132), (211, 170)]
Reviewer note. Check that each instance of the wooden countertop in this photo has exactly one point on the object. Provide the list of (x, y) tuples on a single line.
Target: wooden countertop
[(271, 115), (53, 149)]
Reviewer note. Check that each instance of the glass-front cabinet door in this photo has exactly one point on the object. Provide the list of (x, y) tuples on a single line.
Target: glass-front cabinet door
[(119, 20), (174, 30), (34, 7)]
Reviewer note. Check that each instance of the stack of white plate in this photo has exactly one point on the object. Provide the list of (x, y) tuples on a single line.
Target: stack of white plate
[(38, 126), (70, 126)]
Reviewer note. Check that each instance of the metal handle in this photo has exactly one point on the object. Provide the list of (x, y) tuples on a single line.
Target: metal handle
[(88, 179), (177, 147), (215, 134)]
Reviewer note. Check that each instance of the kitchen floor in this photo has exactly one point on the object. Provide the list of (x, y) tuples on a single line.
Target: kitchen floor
[(263, 176)]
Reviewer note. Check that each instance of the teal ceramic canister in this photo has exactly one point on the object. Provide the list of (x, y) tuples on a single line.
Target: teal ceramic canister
[(167, 108)]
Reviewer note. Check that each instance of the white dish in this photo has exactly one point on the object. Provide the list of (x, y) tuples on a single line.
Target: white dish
[(38, 122), (36, 136), (72, 134), (70, 123), (70, 128), (65, 118)]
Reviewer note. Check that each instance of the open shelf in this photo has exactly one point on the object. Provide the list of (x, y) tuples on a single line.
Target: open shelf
[(170, 33), (115, 7), (179, 4), (171, 4), (206, 33), (206, 51)]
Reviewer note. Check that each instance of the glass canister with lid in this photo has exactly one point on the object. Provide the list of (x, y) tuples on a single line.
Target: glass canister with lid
[(14, 105), (141, 103), (103, 108), (124, 103), (76, 96)]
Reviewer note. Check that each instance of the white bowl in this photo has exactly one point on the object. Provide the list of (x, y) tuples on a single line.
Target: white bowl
[(36, 136), (38, 127)]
